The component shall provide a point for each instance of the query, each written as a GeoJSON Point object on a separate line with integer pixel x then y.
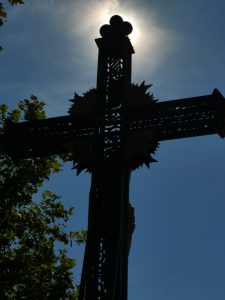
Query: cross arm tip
{"type": "Point", "coordinates": [219, 102]}
{"type": "Point", "coordinates": [216, 93]}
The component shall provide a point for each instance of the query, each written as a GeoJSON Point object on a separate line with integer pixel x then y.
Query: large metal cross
{"type": "Point", "coordinates": [110, 131]}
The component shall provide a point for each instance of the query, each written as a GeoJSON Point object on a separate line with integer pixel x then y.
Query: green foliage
{"type": "Point", "coordinates": [13, 2]}
{"type": "Point", "coordinates": [32, 108]}
{"type": "Point", "coordinates": [33, 259]}
{"type": "Point", "coordinates": [3, 13]}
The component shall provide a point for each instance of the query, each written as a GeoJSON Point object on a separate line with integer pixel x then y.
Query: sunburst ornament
{"type": "Point", "coordinates": [138, 146]}
{"type": "Point", "coordinates": [138, 95]}
{"type": "Point", "coordinates": [85, 104]}
{"type": "Point", "coordinates": [83, 151]}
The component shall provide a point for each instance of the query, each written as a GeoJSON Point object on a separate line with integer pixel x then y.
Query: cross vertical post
{"type": "Point", "coordinates": [105, 265]}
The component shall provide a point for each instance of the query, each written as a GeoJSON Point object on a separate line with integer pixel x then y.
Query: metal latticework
{"type": "Point", "coordinates": [104, 273]}
{"type": "Point", "coordinates": [113, 89]}
{"type": "Point", "coordinates": [45, 137]}
{"type": "Point", "coordinates": [180, 118]}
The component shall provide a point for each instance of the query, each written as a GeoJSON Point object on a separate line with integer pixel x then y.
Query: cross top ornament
{"type": "Point", "coordinates": [110, 131]}
{"type": "Point", "coordinates": [117, 28]}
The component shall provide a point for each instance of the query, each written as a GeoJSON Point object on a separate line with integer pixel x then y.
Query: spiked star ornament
{"type": "Point", "coordinates": [138, 146]}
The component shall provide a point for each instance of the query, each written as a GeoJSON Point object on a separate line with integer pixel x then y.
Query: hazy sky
{"type": "Point", "coordinates": [178, 249]}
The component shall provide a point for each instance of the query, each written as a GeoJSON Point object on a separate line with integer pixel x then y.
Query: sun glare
{"type": "Point", "coordinates": [146, 37]}
{"type": "Point", "coordinates": [135, 35]}
{"type": "Point", "coordinates": [106, 10]}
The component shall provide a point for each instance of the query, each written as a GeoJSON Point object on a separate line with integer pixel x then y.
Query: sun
{"type": "Point", "coordinates": [108, 10]}
{"type": "Point", "coordinates": [136, 34]}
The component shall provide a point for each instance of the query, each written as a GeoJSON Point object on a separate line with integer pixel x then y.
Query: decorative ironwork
{"type": "Point", "coordinates": [45, 137]}
{"type": "Point", "coordinates": [180, 118]}
{"type": "Point", "coordinates": [168, 120]}
{"type": "Point", "coordinates": [110, 131]}
{"type": "Point", "coordinates": [102, 274]}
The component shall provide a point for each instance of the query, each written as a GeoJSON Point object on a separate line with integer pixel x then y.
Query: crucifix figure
{"type": "Point", "coordinates": [110, 131]}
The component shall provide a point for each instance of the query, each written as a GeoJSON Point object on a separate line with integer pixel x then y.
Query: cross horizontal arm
{"type": "Point", "coordinates": [173, 119]}
{"type": "Point", "coordinates": [182, 118]}
{"type": "Point", "coordinates": [45, 137]}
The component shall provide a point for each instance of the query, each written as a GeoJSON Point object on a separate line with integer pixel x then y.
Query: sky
{"type": "Point", "coordinates": [178, 249]}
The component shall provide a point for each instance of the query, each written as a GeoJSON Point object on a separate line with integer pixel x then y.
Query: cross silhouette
{"type": "Point", "coordinates": [110, 131]}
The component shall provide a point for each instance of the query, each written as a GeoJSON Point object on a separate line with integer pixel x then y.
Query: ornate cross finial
{"type": "Point", "coordinates": [117, 28]}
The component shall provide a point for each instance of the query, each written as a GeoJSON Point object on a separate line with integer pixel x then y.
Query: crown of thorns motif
{"type": "Point", "coordinates": [138, 148]}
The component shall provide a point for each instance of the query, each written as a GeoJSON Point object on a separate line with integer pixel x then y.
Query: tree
{"type": "Point", "coordinates": [33, 259]}
{"type": "Point", "coordinates": [3, 12]}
